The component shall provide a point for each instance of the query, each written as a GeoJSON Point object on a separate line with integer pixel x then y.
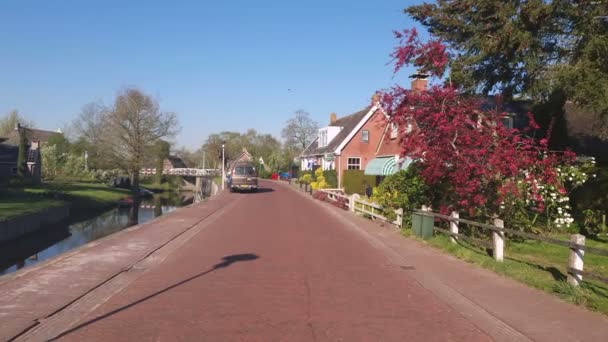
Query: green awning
{"type": "Point", "coordinates": [384, 166]}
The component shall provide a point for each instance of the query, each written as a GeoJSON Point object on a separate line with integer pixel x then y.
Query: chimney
{"type": "Point", "coordinates": [332, 118]}
{"type": "Point", "coordinates": [375, 99]}
{"type": "Point", "coordinates": [419, 81]}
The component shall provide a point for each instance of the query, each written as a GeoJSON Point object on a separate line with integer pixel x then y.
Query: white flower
{"type": "Point", "coordinates": [594, 175]}
{"type": "Point", "coordinates": [570, 178]}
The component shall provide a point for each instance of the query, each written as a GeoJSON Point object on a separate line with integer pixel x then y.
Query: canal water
{"type": "Point", "coordinates": [57, 239]}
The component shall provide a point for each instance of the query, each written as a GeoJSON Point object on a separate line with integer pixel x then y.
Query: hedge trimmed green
{"type": "Point", "coordinates": [355, 181]}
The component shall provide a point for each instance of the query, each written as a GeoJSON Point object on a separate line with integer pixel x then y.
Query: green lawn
{"type": "Point", "coordinates": [13, 205]}
{"type": "Point", "coordinates": [540, 265]}
{"type": "Point", "coordinates": [18, 201]}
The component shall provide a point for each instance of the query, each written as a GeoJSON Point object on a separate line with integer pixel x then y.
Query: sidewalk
{"type": "Point", "coordinates": [503, 308]}
{"type": "Point", "coordinates": [36, 293]}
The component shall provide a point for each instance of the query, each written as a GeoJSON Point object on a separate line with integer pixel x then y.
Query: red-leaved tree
{"type": "Point", "coordinates": [480, 165]}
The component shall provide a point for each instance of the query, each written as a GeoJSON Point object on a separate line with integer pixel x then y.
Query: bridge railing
{"type": "Point", "coordinates": [192, 172]}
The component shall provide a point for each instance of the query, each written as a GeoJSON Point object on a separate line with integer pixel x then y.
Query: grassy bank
{"type": "Point", "coordinates": [540, 265]}
{"type": "Point", "coordinates": [168, 184]}
{"type": "Point", "coordinates": [17, 201]}
{"type": "Point", "coordinates": [14, 204]}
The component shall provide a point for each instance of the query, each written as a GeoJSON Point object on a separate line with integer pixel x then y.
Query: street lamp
{"type": "Point", "coordinates": [223, 167]}
{"type": "Point", "coordinates": [86, 160]}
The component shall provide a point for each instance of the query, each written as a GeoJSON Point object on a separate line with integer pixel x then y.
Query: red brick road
{"type": "Point", "coordinates": [303, 276]}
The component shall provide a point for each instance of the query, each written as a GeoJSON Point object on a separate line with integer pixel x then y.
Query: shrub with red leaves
{"type": "Point", "coordinates": [481, 166]}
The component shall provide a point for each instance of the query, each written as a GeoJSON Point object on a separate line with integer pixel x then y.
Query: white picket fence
{"type": "Point", "coordinates": [357, 205]}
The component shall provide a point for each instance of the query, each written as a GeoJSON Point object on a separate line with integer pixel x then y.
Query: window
{"type": "Point", "coordinates": [507, 122]}
{"type": "Point", "coordinates": [365, 135]}
{"type": "Point", "coordinates": [353, 163]}
{"type": "Point", "coordinates": [244, 171]}
{"type": "Point", "coordinates": [394, 130]}
{"type": "Point", "coordinates": [322, 138]}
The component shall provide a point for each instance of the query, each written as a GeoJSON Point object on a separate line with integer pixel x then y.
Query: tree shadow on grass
{"type": "Point", "coordinates": [226, 261]}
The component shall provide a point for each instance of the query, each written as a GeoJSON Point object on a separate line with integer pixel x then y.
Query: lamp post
{"type": "Point", "coordinates": [223, 167]}
{"type": "Point", "coordinates": [86, 160]}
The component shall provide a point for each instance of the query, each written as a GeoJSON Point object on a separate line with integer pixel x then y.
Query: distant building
{"type": "Point", "coordinates": [36, 137]}
{"type": "Point", "coordinates": [9, 151]}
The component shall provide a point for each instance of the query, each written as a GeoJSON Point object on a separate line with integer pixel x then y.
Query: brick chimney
{"type": "Point", "coordinates": [332, 118]}
{"type": "Point", "coordinates": [419, 81]}
{"type": "Point", "coordinates": [375, 99]}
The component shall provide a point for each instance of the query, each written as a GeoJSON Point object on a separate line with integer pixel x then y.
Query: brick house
{"type": "Point", "coordinates": [365, 140]}
{"type": "Point", "coordinates": [9, 151]}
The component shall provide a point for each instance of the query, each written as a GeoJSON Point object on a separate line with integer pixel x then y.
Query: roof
{"type": "Point", "coordinates": [243, 157]}
{"type": "Point", "coordinates": [8, 153]}
{"type": "Point", "coordinates": [348, 124]}
{"type": "Point", "coordinates": [33, 134]}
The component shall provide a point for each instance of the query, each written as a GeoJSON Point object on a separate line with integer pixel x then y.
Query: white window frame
{"type": "Point", "coordinates": [323, 138]}
{"type": "Point", "coordinates": [353, 165]}
{"type": "Point", "coordinates": [363, 135]}
{"type": "Point", "coordinates": [394, 130]}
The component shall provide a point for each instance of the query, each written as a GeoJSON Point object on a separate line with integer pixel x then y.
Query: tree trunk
{"type": "Point", "coordinates": [135, 183]}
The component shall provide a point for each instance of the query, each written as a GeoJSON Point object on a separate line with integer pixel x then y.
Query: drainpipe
{"type": "Point", "coordinates": [339, 170]}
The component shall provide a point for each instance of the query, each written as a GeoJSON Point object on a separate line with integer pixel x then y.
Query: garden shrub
{"type": "Point", "coordinates": [355, 180]}
{"type": "Point", "coordinates": [331, 178]}
{"type": "Point", "coordinates": [403, 190]}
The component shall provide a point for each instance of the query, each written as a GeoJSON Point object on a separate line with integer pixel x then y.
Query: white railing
{"type": "Point", "coordinates": [358, 205]}
{"type": "Point", "coordinates": [183, 172]}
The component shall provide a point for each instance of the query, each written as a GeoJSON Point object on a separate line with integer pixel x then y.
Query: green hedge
{"type": "Point", "coordinates": [331, 178]}
{"type": "Point", "coordinates": [355, 180]}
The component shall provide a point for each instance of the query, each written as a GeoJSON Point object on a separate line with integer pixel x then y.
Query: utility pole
{"type": "Point", "coordinates": [203, 159]}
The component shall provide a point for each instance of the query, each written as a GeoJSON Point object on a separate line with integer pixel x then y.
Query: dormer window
{"type": "Point", "coordinates": [323, 138]}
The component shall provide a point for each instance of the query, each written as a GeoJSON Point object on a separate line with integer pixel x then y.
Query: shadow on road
{"type": "Point", "coordinates": [226, 261]}
{"type": "Point", "coordinates": [260, 191]}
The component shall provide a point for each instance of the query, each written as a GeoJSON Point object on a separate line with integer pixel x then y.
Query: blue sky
{"type": "Point", "coordinates": [220, 65]}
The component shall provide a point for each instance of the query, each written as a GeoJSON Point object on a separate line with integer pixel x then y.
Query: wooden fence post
{"type": "Point", "coordinates": [499, 240]}
{"type": "Point", "coordinates": [399, 213]}
{"type": "Point", "coordinates": [351, 201]}
{"type": "Point", "coordinates": [454, 226]}
{"type": "Point", "coordinates": [576, 259]}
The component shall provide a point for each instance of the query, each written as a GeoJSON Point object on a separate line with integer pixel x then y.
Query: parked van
{"type": "Point", "coordinates": [243, 176]}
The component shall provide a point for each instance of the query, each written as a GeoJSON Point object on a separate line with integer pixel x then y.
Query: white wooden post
{"type": "Point", "coordinates": [576, 259]}
{"type": "Point", "coordinates": [399, 213]}
{"type": "Point", "coordinates": [454, 226]}
{"type": "Point", "coordinates": [499, 240]}
{"type": "Point", "coordinates": [351, 201]}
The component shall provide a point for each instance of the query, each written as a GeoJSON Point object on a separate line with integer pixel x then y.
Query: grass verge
{"type": "Point", "coordinates": [538, 264]}
{"type": "Point", "coordinates": [19, 201]}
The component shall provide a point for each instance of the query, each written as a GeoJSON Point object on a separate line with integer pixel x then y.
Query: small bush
{"type": "Point", "coordinates": [403, 190]}
{"type": "Point", "coordinates": [331, 178]}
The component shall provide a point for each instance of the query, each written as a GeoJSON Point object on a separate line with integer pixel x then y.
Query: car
{"type": "Point", "coordinates": [243, 176]}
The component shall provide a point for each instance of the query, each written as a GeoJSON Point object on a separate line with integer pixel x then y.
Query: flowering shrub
{"type": "Point", "coordinates": [481, 166]}
{"type": "Point", "coordinates": [319, 182]}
